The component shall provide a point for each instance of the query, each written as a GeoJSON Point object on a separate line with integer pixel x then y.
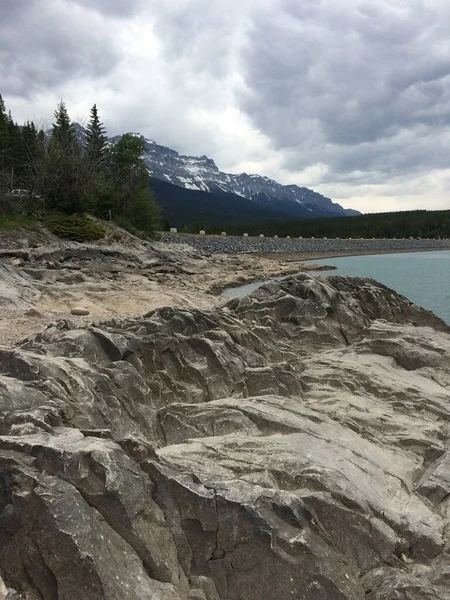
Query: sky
{"type": "Point", "coordinates": [348, 97]}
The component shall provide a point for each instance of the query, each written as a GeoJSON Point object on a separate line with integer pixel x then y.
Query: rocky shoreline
{"type": "Point", "coordinates": [43, 280]}
{"type": "Point", "coordinates": [317, 248]}
{"type": "Point", "coordinates": [292, 443]}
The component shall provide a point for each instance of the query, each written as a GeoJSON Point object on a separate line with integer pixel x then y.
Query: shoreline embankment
{"type": "Point", "coordinates": [303, 248]}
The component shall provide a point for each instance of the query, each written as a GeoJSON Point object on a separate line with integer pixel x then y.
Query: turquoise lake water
{"type": "Point", "coordinates": [423, 277]}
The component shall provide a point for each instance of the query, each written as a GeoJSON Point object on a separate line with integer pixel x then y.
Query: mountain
{"type": "Point", "coordinates": [201, 174]}
{"type": "Point", "coordinates": [181, 206]}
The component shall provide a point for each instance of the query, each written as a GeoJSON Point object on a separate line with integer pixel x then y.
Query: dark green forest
{"type": "Point", "coordinates": [417, 224]}
{"type": "Point", "coordinates": [57, 174]}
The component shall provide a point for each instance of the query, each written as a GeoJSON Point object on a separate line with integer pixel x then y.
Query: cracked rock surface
{"type": "Point", "coordinates": [292, 444]}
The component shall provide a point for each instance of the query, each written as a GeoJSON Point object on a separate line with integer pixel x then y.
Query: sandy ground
{"type": "Point", "coordinates": [197, 284]}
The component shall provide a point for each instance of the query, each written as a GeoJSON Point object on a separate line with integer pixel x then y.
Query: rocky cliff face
{"type": "Point", "coordinates": [294, 444]}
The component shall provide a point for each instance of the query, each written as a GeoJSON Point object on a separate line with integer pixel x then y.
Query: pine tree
{"type": "Point", "coordinates": [28, 156]}
{"type": "Point", "coordinates": [12, 153]}
{"type": "Point", "coordinates": [3, 115]}
{"type": "Point", "coordinates": [96, 139]}
{"type": "Point", "coordinates": [64, 180]}
{"type": "Point", "coordinates": [3, 140]}
{"type": "Point", "coordinates": [63, 134]}
{"type": "Point", "coordinates": [135, 203]}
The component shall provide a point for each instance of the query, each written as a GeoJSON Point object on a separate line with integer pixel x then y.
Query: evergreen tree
{"type": "Point", "coordinates": [96, 139]}
{"type": "Point", "coordinates": [2, 110]}
{"type": "Point", "coordinates": [12, 154]}
{"type": "Point", "coordinates": [3, 143]}
{"type": "Point", "coordinates": [64, 180]}
{"type": "Point", "coordinates": [56, 172]}
{"type": "Point", "coordinates": [27, 157]}
{"type": "Point", "coordinates": [3, 122]}
{"type": "Point", "coordinates": [29, 141]}
{"type": "Point", "coordinates": [135, 204]}
{"type": "Point", "coordinates": [63, 134]}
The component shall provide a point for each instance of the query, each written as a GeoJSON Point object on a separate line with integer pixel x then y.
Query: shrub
{"type": "Point", "coordinates": [17, 222]}
{"type": "Point", "coordinates": [77, 227]}
{"type": "Point", "coordinates": [142, 213]}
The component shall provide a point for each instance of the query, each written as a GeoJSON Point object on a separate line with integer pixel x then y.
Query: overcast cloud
{"type": "Point", "coordinates": [349, 97]}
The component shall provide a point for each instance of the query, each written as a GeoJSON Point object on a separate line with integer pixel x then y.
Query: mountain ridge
{"type": "Point", "coordinates": [200, 173]}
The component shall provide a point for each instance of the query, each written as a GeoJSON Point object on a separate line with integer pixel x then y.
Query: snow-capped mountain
{"type": "Point", "coordinates": [201, 173]}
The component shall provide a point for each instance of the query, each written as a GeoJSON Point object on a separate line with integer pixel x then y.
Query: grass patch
{"type": "Point", "coordinates": [17, 222]}
{"type": "Point", "coordinates": [77, 227]}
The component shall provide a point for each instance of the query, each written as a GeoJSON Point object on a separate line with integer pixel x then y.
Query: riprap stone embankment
{"type": "Point", "coordinates": [214, 244]}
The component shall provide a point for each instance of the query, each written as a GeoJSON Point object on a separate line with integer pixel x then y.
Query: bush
{"type": "Point", "coordinates": [141, 216]}
{"type": "Point", "coordinates": [77, 227]}
{"type": "Point", "coordinates": [17, 222]}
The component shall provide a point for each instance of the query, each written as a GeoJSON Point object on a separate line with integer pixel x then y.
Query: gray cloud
{"type": "Point", "coordinates": [43, 44]}
{"type": "Point", "coordinates": [115, 8]}
{"type": "Point", "coordinates": [354, 76]}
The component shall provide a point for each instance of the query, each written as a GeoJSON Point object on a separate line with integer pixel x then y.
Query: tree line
{"type": "Point", "coordinates": [70, 171]}
{"type": "Point", "coordinates": [404, 224]}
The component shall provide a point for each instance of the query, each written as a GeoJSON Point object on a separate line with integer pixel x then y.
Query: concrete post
{"type": "Point", "coordinates": [223, 233]}
{"type": "Point", "coordinates": [245, 234]}
{"type": "Point", "coordinates": [261, 235]}
{"type": "Point", "coordinates": [173, 230]}
{"type": "Point", "coordinates": [275, 236]}
{"type": "Point", "coordinates": [202, 232]}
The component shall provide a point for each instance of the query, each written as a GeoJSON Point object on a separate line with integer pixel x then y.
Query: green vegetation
{"type": "Point", "coordinates": [58, 173]}
{"type": "Point", "coordinates": [76, 227]}
{"type": "Point", "coordinates": [96, 138]}
{"type": "Point", "coordinates": [15, 222]}
{"type": "Point", "coordinates": [417, 224]}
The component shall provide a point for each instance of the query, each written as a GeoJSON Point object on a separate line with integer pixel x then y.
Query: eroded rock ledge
{"type": "Point", "coordinates": [293, 445]}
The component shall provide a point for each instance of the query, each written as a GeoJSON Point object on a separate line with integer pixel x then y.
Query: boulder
{"type": "Point", "coordinates": [79, 311]}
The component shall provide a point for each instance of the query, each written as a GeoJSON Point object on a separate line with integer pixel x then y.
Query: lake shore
{"type": "Point", "coordinates": [305, 262]}
{"type": "Point", "coordinates": [42, 284]}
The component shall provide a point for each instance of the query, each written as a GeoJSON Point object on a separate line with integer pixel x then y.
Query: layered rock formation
{"type": "Point", "coordinates": [294, 444]}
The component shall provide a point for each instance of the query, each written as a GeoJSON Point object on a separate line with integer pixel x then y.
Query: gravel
{"type": "Point", "coordinates": [212, 244]}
